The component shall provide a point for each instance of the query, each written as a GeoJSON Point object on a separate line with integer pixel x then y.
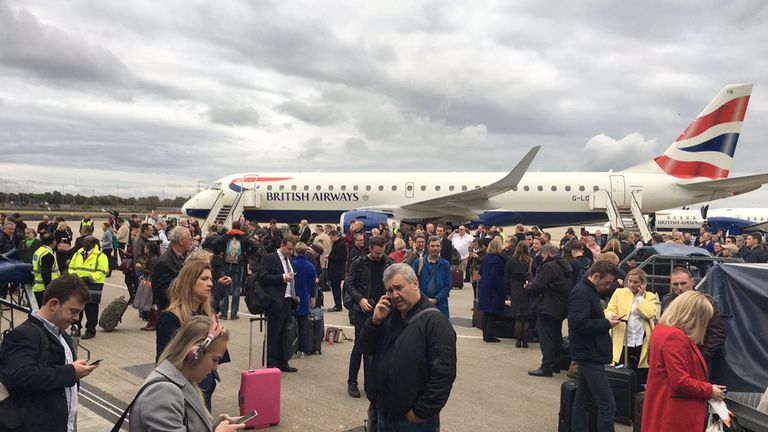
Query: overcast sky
{"type": "Point", "coordinates": [148, 97]}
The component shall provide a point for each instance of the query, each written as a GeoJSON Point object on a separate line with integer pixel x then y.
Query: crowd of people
{"type": "Point", "coordinates": [195, 283]}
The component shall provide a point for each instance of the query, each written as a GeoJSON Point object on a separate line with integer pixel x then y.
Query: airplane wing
{"type": "Point", "coordinates": [735, 185]}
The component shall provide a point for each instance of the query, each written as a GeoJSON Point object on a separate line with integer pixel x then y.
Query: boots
{"type": "Point", "coordinates": [152, 322]}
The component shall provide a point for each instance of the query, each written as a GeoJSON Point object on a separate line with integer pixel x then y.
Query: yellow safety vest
{"type": "Point", "coordinates": [96, 265]}
{"type": "Point", "coordinates": [42, 251]}
{"type": "Point", "coordinates": [86, 222]}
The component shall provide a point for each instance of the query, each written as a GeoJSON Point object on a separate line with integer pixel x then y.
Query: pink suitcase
{"type": "Point", "coordinates": [260, 388]}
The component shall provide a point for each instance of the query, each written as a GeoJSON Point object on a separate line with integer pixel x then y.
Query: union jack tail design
{"type": "Point", "coordinates": [706, 147]}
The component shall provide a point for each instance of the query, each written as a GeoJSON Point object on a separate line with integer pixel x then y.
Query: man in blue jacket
{"type": "Point", "coordinates": [591, 346]}
{"type": "Point", "coordinates": [434, 275]}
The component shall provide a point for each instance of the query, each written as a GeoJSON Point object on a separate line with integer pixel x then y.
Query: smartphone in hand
{"type": "Point", "coordinates": [246, 418]}
{"type": "Point", "coordinates": [95, 362]}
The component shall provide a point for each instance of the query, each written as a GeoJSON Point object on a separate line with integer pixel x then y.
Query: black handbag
{"type": "Point", "coordinates": [257, 300]}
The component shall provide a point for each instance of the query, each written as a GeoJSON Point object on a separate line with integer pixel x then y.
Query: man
{"type": "Point", "coordinates": [233, 248]}
{"type": "Point", "coordinates": [304, 232]}
{"type": "Point", "coordinates": [168, 266]}
{"type": "Point", "coordinates": [337, 260]}
{"type": "Point", "coordinates": [742, 245]}
{"type": "Point", "coordinates": [414, 351]}
{"type": "Point", "coordinates": [90, 263]}
{"type": "Point", "coordinates": [357, 249]}
{"type": "Point", "coordinates": [42, 227]}
{"type": "Point", "coordinates": [756, 253]}
{"type": "Point", "coordinates": [591, 347]}
{"type": "Point", "coordinates": [8, 237]}
{"type": "Point", "coordinates": [363, 285]}
{"type": "Point", "coordinates": [520, 232]}
{"type": "Point", "coordinates": [446, 247]}
{"type": "Point", "coordinates": [536, 256]}
{"type": "Point", "coordinates": [730, 250]}
{"type": "Point", "coordinates": [163, 236]}
{"type": "Point", "coordinates": [276, 276]}
{"type": "Point", "coordinates": [681, 281]}
{"type": "Point", "coordinates": [582, 262]}
{"type": "Point", "coordinates": [706, 242]}
{"type": "Point", "coordinates": [552, 285]}
{"type": "Point", "coordinates": [599, 239]}
{"type": "Point", "coordinates": [38, 365]}
{"type": "Point", "coordinates": [434, 275]}
{"type": "Point", "coordinates": [44, 266]}
{"type": "Point", "coordinates": [461, 242]}
{"type": "Point", "coordinates": [86, 222]}
{"type": "Point", "coordinates": [430, 230]}
{"type": "Point", "coordinates": [417, 253]}
{"type": "Point", "coordinates": [480, 233]}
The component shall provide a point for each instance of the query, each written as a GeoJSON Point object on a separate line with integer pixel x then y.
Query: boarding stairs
{"type": "Point", "coordinates": [224, 213]}
{"type": "Point", "coordinates": [628, 217]}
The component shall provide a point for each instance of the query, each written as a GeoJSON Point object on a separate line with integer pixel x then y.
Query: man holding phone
{"type": "Point", "coordinates": [38, 364]}
{"type": "Point", "coordinates": [415, 356]}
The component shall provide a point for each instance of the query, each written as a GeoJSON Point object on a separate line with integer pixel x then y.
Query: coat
{"type": "Point", "coordinates": [435, 282]}
{"type": "Point", "coordinates": [677, 390]}
{"type": "Point", "coordinates": [25, 253]}
{"type": "Point", "coordinates": [271, 273]}
{"type": "Point", "coordinates": [306, 287]}
{"type": "Point", "coordinates": [490, 290]}
{"type": "Point", "coordinates": [165, 405]}
{"type": "Point", "coordinates": [552, 283]}
{"type": "Point", "coordinates": [40, 387]}
{"type": "Point", "coordinates": [337, 260]}
{"type": "Point", "coordinates": [621, 304]}
{"type": "Point", "coordinates": [517, 273]}
{"type": "Point", "coordinates": [96, 266]}
{"type": "Point", "coordinates": [588, 330]}
{"type": "Point", "coordinates": [167, 268]}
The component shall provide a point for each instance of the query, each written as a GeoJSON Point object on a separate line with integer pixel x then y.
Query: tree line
{"type": "Point", "coordinates": [56, 199]}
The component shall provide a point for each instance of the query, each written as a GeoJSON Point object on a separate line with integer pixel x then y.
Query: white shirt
{"type": "Point", "coordinates": [69, 392]}
{"type": "Point", "coordinates": [462, 243]}
{"type": "Point", "coordinates": [287, 269]}
{"type": "Point", "coordinates": [164, 242]}
{"type": "Point", "coordinates": [635, 329]}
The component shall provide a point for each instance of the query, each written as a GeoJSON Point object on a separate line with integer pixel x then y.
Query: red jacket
{"type": "Point", "coordinates": [677, 390]}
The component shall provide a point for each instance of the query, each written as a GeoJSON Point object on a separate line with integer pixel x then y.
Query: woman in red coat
{"type": "Point", "coordinates": [677, 390]}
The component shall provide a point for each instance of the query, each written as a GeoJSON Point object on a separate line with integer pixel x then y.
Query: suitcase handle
{"type": "Point", "coordinates": [262, 323]}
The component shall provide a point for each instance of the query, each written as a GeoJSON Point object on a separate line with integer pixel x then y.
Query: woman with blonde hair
{"type": "Point", "coordinates": [677, 391]}
{"type": "Point", "coordinates": [399, 254]}
{"type": "Point", "coordinates": [170, 398]}
{"type": "Point", "coordinates": [637, 309]}
{"type": "Point", "coordinates": [614, 246]}
{"type": "Point", "coordinates": [491, 288]}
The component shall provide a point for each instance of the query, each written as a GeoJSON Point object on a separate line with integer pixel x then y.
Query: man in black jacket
{"type": "Point", "coordinates": [591, 346]}
{"type": "Point", "coordinates": [755, 253]}
{"type": "Point", "coordinates": [446, 246]}
{"type": "Point", "coordinates": [276, 277]}
{"type": "Point", "coordinates": [362, 287]}
{"type": "Point", "coordinates": [337, 261]}
{"type": "Point", "coordinates": [414, 353]}
{"type": "Point", "coordinates": [37, 361]}
{"type": "Point", "coordinates": [169, 265]}
{"type": "Point", "coordinates": [552, 284]}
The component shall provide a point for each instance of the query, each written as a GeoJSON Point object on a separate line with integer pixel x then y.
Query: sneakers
{"type": "Point", "coordinates": [353, 391]}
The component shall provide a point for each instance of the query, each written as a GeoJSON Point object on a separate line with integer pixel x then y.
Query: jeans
{"type": "Point", "coordinates": [550, 341]}
{"type": "Point", "coordinates": [235, 271]}
{"type": "Point", "coordinates": [592, 384]}
{"type": "Point", "coordinates": [398, 423]}
{"type": "Point", "coordinates": [356, 357]}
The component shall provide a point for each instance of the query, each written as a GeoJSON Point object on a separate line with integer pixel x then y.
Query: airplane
{"type": "Point", "coordinates": [731, 220]}
{"type": "Point", "coordinates": [693, 169]}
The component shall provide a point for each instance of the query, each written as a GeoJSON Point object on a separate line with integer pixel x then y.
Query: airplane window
{"type": "Point", "coordinates": [526, 188]}
{"type": "Point", "coordinates": [330, 188]}
{"type": "Point", "coordinates": [269, 187]}
{"type": "Point", "coordinates": [595, 188]}
{"type": "Point", "coordinates": [293, 187]}
{"type": "Point", "coordinates": [368, 187]}
{"type": "Point", "coordinates": [394, 188]}
{"type": "Point", "coordinates": [354, 187]}
{"type": "Point", "coordinates": [581, 188]}
{"type": "Point", "coordinates": [317, 187]}
{"type": "Point", "coordinates": [215, 186]}
{"type": "Point", "coordinates": [463, 188]}
{"type": "Point", "coordinates": [282, 187]}
{"type": "Point", "coordinates": [306, 187]}
{"type": "Point", "coordinates": [381, 188]}
{"type": "Point", "coordinates": [567, 188]}
{"type": "Point", "coordinates": [451, 188]}
{"type": "Point", "coordinates": [409, 188]}
{"type": "Point", "coordinates": [343, 187]}
{"type": "Point", "coordinates": [477, 187]}
{"type": "Point", "coordinates": [514, 188]}
{"type": "Point", "coordinates": [437, 188]}
{"type": "Point", "coordinates": [554, 188]}
{"type": "Point", "coordinates": [540, 188]}
{"type": "Point", "coordinates": [423, 188]}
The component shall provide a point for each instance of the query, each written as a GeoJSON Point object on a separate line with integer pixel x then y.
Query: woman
{"type": "Point", "coordinates": [491, 288]}
{"type": "Point", "coordinates": [593, 247]}
{"type": "Point", "coordinates": [336, 261]}
{"type": "Point", "coordinates": [614, 246]}
{"type": "Point", "coordinates": [637, 308]}
{"type": "Point", "coordinates": [189, 295]}
{"type": "Point", "coordinates": [143, 269]}
{"type": "Point", "coordinates": [170, 398]}
{"type": "Point", "coordinates": [63, 236]}
{"type": "Point", "coordinates": [677, 391]}
{"type": "Point", "coordinates": [29, 245]}
{"type": "Point", "coordinates": [476, 253]}
{"type": "Point", "coordinates": [718, 248]}
{"type": "Point", "coordinates": [306, 290]}
{"type": "Point", "coordinates": [518, 272]}
{"type": "Point", "coordinates": [400, 252]}
{"type": "Point", "coordinates": [108, 241]}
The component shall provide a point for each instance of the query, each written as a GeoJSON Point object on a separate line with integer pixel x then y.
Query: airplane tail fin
{"type": "Point", "coordinates": [706, 147]}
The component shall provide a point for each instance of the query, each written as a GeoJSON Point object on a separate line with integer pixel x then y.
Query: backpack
{"type": "Point", "coordinates": [232, 255]}
{"type": "Point", "coordinates": [113, 314]}
{"type": "Point", "coordinates": [257, 300]}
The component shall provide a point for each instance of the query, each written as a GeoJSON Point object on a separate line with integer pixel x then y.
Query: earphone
{"type": "Point", "coordinates": [198, 350]}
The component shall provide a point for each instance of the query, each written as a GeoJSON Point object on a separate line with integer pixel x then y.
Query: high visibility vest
{"type": "Point", "coordinates": [96, 265]}
{"type": "Point", "coordinates": [86, 222]}
{"type": "Point", "coordinates": [42, 251]}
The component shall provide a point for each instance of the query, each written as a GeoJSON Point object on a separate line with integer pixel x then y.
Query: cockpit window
{"type": "Point", "coordinates": [215, 186]}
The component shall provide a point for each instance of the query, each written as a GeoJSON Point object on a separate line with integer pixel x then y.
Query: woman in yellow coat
{"type": "Point", "coordinates": [637, 309]}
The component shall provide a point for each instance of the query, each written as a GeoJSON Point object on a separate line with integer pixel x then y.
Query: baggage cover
{"type": "Point", "coordinates": [113, 314]}
{"type": "Point", "coordinates": [457, 279]}
{"type": "Point", "coordinates": [260, 388]}
{"type": "Point", "coordinates": [567, 397]}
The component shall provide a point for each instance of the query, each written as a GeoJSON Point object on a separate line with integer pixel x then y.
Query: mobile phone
{"type": "Point", "coordinates": [622, 317]}
{"type": "Point", "coordinates": [95, 362]}
{"type": "Point", "coordinates": [246, 418]}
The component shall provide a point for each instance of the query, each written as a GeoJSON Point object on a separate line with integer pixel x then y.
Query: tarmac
{"type": "Point", "coordinates": [492, 391]}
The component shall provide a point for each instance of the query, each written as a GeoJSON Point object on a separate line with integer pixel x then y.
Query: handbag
{"type": "Point", "coordinates": [715, 423]}
{"type": "Point", "coordinates": [143, 298]}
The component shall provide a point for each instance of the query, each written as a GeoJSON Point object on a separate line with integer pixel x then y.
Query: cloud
{"type": "Point", "coordinates": [602, 153]}
{"type": "Point", "coordinates": [317, 114]}
{"type": "Point", "coordinates": [354, 144]}
{"type": "Point", "coordinates": [234, 116]}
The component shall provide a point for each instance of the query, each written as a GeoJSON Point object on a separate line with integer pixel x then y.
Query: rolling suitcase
{"type": "Point", "coordinates": [478, 316]}
{"type": "Point", "coordinates": [567, 397]}
{"type": "Point", "coordinates": [316, 330]}
{"type": "Point", "coordinates": [623, 383]}
{"type": "Point", "coordinates": [113, 314]}
{"type": "Point", "coordinates": [457, 279]}
{"type": "Point", "coordinates": [260, 388]}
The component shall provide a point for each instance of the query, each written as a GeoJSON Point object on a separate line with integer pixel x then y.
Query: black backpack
{"type": "Point", "coordinates": [257, 300]}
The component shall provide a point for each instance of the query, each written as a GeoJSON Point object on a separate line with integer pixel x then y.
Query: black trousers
{"type": "Point", "coordinates": [550, 341]}
{"type": "Point", "coordinates": [356, 356]}
{"type": "Point", "coordinates": [336, 290]}
{"type": "Point", "coordinates": [302, 328]}
{"type": "Point", "coordinates": [278, 315]}
{"type": "Point", "coordinates": [634, 360]}
{"type": "Point", "coordinates": [92, 317]}
{"type": "Point", "coordinates": [39, 295]}
{"type": "Point", "coordinates": [489, 326]}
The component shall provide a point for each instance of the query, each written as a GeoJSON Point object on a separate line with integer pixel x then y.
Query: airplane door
{"type": "Point", "coordinates": [618, 190]}
{"type": "Point", "coordinates": [409, 187]}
